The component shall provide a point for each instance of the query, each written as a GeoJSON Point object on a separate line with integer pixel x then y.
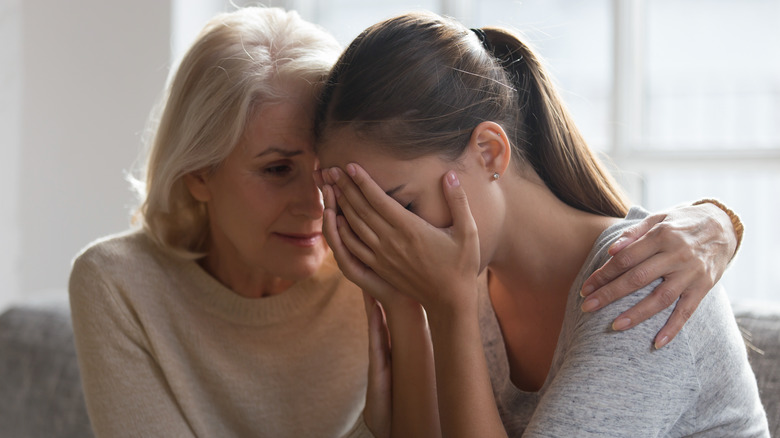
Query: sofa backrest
{"type": "Point", "coordinates": [41, 393]}
{"type": "Point", "coordinates": [40, 384]}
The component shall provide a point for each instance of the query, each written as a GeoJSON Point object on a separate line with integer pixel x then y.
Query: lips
{"type": "Point", "coordinates": [303, 240]}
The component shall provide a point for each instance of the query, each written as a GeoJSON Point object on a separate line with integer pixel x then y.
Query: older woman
{"type": "Point", "coordinates": [172, 335]}
{"type": "Point", "coordinates": [224, 313]}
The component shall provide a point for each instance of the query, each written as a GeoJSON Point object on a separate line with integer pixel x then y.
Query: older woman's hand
{"type": "Point", "coordinates": [689, 247]}
{"type": "Point", "coordinates": [378, 410]}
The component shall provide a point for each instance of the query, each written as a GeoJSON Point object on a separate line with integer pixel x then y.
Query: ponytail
{"type": "Point", "coordinates": [553, 145]}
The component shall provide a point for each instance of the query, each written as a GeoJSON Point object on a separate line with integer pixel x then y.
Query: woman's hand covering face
{"type": "Point", "coordinates": [381, 245]}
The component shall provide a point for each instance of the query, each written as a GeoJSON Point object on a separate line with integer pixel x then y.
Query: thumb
{"type": "Point", "coordinates": [634, 232]}
{"type": "Point", "coordinates": [462, 220]}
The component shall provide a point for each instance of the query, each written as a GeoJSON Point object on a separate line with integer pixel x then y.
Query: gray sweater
{"type": "Point", "coordinates": [604, 383]}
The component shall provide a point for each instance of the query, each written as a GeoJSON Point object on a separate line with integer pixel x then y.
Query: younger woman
{"type": "Point", "coordinates": [464, 129]}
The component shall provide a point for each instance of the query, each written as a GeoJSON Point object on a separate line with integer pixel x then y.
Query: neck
{"type": "Point", "coordinates": [249, 283]}
{"type": "Point", "coordinates": [543, 247]}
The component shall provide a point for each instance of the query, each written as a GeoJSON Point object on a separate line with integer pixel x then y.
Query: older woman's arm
{"type": "Point", "coordinates": [690, 247]}
{"type": "Point", "coordinates": [125, 390]}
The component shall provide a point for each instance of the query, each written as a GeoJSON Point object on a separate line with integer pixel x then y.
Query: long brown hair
{"type": "Point", "coordinates": [418, 84]}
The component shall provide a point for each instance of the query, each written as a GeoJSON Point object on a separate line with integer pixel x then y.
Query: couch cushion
{"type": "Point", "coordinates": [40, 385]}
{"type": "Point", "coordinates": [762, 334]}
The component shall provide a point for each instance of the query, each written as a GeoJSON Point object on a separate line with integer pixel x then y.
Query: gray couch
{"type": "Point", "coordinates": [41, 396]}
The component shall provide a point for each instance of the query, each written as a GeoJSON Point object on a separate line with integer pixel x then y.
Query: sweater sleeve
{"type": "Point", "coordinates": [615, 384]}
{"type": "Point", "coordinates": [125, 390]}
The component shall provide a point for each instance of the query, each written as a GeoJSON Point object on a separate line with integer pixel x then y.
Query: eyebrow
{"type": "Point", "coordinates": [392, 191]}
{"type": "Point", "coordinates": [276, 150]}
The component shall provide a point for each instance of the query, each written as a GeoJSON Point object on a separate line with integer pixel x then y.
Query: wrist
{"type": "Point", "coordinates": [403, 312]}
{"type": "Point", "coordinates": [462, 307]}
{"type": "Point", "coordinates": [733, 219]}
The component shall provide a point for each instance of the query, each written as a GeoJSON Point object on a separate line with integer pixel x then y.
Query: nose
{"type": "Point", "coordinates": [307, 199]}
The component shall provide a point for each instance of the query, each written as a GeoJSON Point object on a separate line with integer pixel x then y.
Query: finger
{"type": "Point", "coordinates": [634, 232]}
{"type": "Point", "coordinates": [383, 204]}
{"type": "Point", "coordinates": [317, 174]}
{"type": "Point", "coordinates": [329, 198]}
{"type": "Point", "coordinates": [357, 223]}
{"type": "Point", "coordinates": [354, 269]}
{"type": "Point", "coordinates": [686, 305]}
{"type": "Point", "coordinates": [354, 244]}
{"type": "Point", "coordinates": [634, 279]}
{"type": "Point", "coordinates": [378, 391]}
{"type": "Point", "coordinates": [663, 296]}
{"type": "Point", "coordinates": [379, 338]}
{"type": "Point", "coordinates": [369, 302]}
{"type": "Point", "coordinates": [631, 256]}
{"type": "Point", "coordinates": [331, 233]}
{"type": "Point", "coordinates": [462, 220]}
{"type": "Point", "coordinates": [348, 263]}
{"type": "Point", "coordinates": [361, 207]}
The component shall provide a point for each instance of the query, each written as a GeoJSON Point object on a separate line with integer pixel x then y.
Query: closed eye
{"type": "Point", "coordinates": [278, 170]}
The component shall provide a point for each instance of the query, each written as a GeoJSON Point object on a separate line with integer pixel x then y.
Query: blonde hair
{"type": "Point", "coordinates": [240, 61]}
{"type": "Point", "coordinates": [419, 84]}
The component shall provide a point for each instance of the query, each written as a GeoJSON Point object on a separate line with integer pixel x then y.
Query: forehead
{"type": "Point", "coordinates": [343, 146]}
{"type": "Point", "coordinates": [287, 124]}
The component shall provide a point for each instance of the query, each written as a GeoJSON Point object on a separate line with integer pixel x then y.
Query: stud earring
{"type": "Point", "coordinates": [496, 175]}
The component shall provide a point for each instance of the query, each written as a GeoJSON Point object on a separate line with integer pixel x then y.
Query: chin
{"type": "Point", "coordinates": [303, 267]}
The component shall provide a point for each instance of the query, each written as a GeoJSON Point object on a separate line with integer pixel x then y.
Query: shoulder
{"type": "Point", "coordinates": [116, 251]}
{"type": "Point", "coordinates": [599, 253]}
{"type": "Point", "coordinates": [116, 262]}
{"type": "Point", "coordinates": [589, 337]}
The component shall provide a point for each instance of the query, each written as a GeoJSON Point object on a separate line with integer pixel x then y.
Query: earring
{"type": "Point", "coordinates": [496, 175]}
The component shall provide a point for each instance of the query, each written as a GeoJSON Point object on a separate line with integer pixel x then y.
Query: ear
{"type": "Point", "coordinates": [490, 142]}
{"type": "Point", "coordinates": [196, 184]}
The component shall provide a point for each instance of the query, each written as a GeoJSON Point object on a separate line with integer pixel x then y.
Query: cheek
{"type": "Point", "coordinates": [436, 211]}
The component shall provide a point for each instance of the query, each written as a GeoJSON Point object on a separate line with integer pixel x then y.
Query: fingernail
{"type": "Point", "coordinates": [616, 244]}
{"type": "Point", "coordinates": [452, 179]}
{"type": "Point", "coordinates": [334, 173]}
{"type": "Point", "coordinates": [587, 290]}
{"type": "Point", "coordinates": [621, 324]}
{"type": "Point", "coordinates": [590, 305]}
{"type": "Point", "coordinates": [660, 343]}
{"type": "Point", "coordinates": [351, 169]}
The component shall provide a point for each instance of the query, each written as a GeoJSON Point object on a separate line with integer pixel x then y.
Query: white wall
{"type": "Point", "coordinates": [10, 134]}
{"type": "Point", "coordinates": [75, 96]}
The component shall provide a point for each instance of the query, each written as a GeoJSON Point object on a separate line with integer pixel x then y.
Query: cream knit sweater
{"type": "Point", "coordinates": [166, 350]}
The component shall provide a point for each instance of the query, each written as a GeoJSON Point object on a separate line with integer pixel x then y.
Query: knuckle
{"type": "Point", "coordinates": [630, 232]}
{"type": "Point", "coordinates": [638, 278]}
{"type": "Point", "coordinates": [606, 295]}
{"type": "Point", "coordinates": [638, 314]}
{"type": "Point", "coordinates": [685, 313]}
{"type": "Point", "coordinates": [362, 212]}
{"type": "Point", "coordinates": [623, 260]}
{"type": "Point", "coordinates": [471, 230]}
{"type": "Point", "coordinates": [599, 277]}
{"type": "Point", "coordinates": [659, 231]}
{"type": "Point", "coordinates": [666, 296]}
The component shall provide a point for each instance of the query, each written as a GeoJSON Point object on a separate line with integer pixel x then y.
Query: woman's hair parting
{"type": "Point", "coordinates": [419, 84]}
{"type": "Point", "coordinates": [239, 62]}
